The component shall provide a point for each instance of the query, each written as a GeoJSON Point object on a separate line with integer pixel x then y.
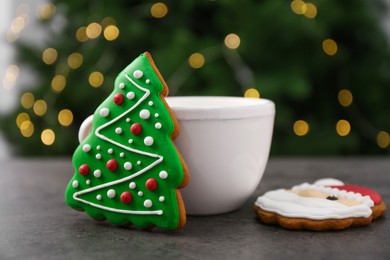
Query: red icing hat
{"type": "Point", "coordinates": [375, 197]}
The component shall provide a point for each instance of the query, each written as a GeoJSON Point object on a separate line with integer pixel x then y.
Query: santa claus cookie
{"type": "Point", "coordinates": [328, 204]}
{"type": "Point", "coordinates": [127, 168]}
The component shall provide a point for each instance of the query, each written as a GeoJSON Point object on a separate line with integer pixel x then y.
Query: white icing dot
{"type": "Point", "coordinates": [118, 130]}
{"type": "Point", "coordinates": [148, 203]}
{"type": "Point", "coordinates": [138, 74]}
{"type": "Point", "coordinates": [99, 197]}
{"type": "Point", "coordinates": [98, 147]}
{"type": "Point", "coordinates": [156, 115]}
{"type": "Point", "coordinates": [127, 120]}
{"type": "Point", "coordinates": [130, 95]}
{"type": "Point", "coordinates": [86, 148]}
{"type": "Point", "coordinates": [150, 103]}
{"type": "Point", "coordinates": [161, 199]}
{"type": "Point", "coordinates": [104, 112]}
{"type": "Point", "coordinates": [163, 175]}
{"type": "Point", "coordinates": [98, 156]}
{"type": "Point", "coordinates": [144, 114]}
{"type": "Point", "coordinates": [147, 81]}
{"type": "Point", "coordinates": [158, 125]}
{"type": "Point", "coordinates": [97, 173]}
{"type": "Point", "coordinates": [110, 151]}
{"type": "Point", "coordinates": [87, 182]}
{"type": "Point", "coordinates": [128, 165]}
{"type": "Point", "coordinates": [122, 154]}
{"type": "Point", "coordinates": [139, 162]}
{"type": "Point", "coordinates": [75, 184]}
{"type": "Point", "coordinates": [122, 85]}
{"type": "Point", "coordinates": [130, 141]}
{"type": "Point", "coordinates": [140, 193]}
{"type": "Point", "coordinates": [148, 140]}
{"type": "Point", "coordinates": [111, 193]}
{"type": "Point", "coordinates": [132, 185]}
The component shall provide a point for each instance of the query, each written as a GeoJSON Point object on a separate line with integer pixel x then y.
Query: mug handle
{"type": "Point", "coordinates": [85, 128]}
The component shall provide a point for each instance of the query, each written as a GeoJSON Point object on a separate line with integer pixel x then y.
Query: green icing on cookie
{"type": "Point", "coordinates": [127, 169]}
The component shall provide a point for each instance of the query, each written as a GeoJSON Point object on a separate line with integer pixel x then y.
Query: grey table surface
{"type": "Point", "coordinates": [35, 223]}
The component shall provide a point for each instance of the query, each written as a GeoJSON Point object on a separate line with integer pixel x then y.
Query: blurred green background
{"type": "Point", "coordinates": [325, 64]}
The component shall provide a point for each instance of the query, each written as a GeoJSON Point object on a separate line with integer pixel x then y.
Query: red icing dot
{"type": "Point", "coordinates": [151, 184]}
{"type": "Point", "coordinates": [119, 98]}
{"type": "Point", "coordinates": [112, 165]}
{"type": "Point", "coordinates": [136, 128]}
{"type": "Point", "coordinates": [126, 197]}
{"type": "Point", "coordinates": [84, 169]}
{"type": "Point", "coordinates": [376, 198]}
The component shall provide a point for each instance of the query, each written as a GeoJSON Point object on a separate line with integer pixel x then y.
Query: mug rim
{"type": "Point", "coordinates": [219, 107]}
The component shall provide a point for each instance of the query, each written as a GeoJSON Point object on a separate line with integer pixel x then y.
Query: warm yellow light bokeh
{"type": "Point", "coordinates": [75, 60]}
{"type": "Point", "coordinates": [27, 128]}
{"type": "Point", "coordinates": [345, 97]}
{"type": "Point", "coordinates": [46, 11]}
{"type": "Point", "coordinates": [311, 11]}
{"type": "Point", "coordinates": [343, 127]}
{"type": "Point", "coordinates": [27, 100]}
{"type": "Point", "coordinates": [40, 107]}
{"type": "Point", "coordinates": [108, 21]}
{"type": "Point", "coordinates": [252, 93]}
{"type": "Point", "coordinates": [65, 117]}
{"type": "Point", "coordinates": [17, 24]}
{"type": "Point", "coordinates": [383, 139]}
{"type": "Point", "coordinates": [329, 46]}
{"type": "Point", "coordinates": [159, 10]}
{"type": "Point", "coordinates": [111, 33]}
{"type": "Point", "coordinates": [93, 30]}
{"type": "Point", "coordinates": [96, 79]}
{"type": "Point", "coordinates": [58, 83]}
{"type": "Point", "coordinates": [232, 41]}
{"type": "Point", "coordinates": [21, 118]}
{"type": "Point", "coordinates": [12, 72]}
{"type": "Point", "coordinates": [196, 60]}
{"type": "Point", "coordinates": [298, 7]}
{"type": "Point", "coordinates": [81, 34]}
{"type": "Point", "coordinates": [48, 137]}
{"type": "Point", "coordinates": [301, 128]}
{"type": "Point", "coordinates": [10, 76]}
{"type": "Point", "coordinates": [49, 56]}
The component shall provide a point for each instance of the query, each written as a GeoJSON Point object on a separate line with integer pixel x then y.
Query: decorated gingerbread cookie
{"type": "Point", "coordinates": [127, 168]}
{"type": "Point", "coordinates": [328, 204]}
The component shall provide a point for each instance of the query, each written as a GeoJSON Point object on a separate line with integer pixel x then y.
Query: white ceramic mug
{"type": "Point", "coordinates": [225, 142]}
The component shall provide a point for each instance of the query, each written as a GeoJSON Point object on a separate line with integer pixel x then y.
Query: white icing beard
{"type": "Point", "coordinates": [289, 204]}
{"type": "Point", "coordinates": [336, 192]}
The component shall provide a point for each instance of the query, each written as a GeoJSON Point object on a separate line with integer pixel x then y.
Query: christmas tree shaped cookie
{"type": "Point", "coordinates": [127, 169]}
